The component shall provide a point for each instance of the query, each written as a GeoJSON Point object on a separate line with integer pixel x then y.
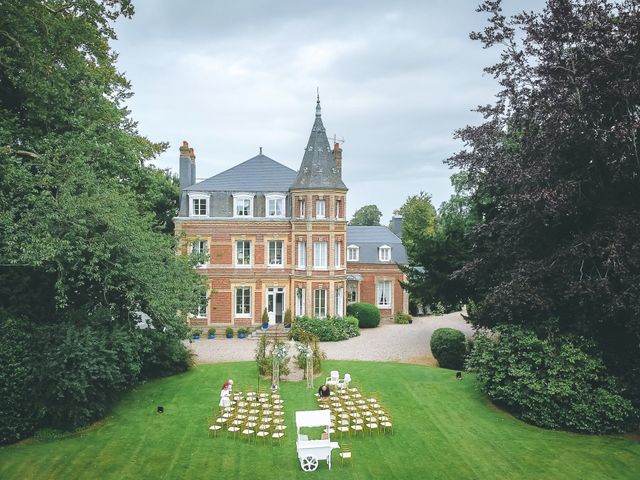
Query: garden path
{"type": "Point", "coordinates": [388, 342]}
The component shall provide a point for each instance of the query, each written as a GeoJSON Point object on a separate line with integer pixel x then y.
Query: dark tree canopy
{"type": "Point", "coordinates": [367, 215]}
{"type": "Point", "coordinates": [557, 159]}
{"type": "Point", "coordinates": [84, 222]}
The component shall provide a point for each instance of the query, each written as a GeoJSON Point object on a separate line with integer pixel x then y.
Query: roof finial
{"type": "Point", "coordinates": [318, 102]}
{"type": "Point", "coordinates": [260, 150]}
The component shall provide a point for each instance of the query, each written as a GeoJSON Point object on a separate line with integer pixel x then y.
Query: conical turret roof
{"type": "Point", "coordinates": [318, 168]}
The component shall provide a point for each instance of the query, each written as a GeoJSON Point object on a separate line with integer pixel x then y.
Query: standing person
{"type": "Point", "coordinates": [225, 400]}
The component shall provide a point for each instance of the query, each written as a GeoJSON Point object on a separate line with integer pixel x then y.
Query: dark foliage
{"type": "Point", "coordinates": [84, 223]}
{"type": "Point", "coordinates": [557, 164]}
{"type": "Point", "coordinates": [19, 415]}
{"type": "Point", "coordinates": [449, 348]}
{"type": "Point", "coordinates": [558, 383]}
{"type": "Point", "coordinates": [368, 315]}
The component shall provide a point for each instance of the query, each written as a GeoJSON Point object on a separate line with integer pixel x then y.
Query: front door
{"type": "Point", "coordinates": [275, 304]}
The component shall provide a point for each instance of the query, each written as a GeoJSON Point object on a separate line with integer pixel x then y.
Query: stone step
{"type": "Point", "coordinates": [272, 332]}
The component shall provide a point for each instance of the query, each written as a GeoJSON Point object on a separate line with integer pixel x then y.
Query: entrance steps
{"type": "Point", "coordinates": [273, 332]}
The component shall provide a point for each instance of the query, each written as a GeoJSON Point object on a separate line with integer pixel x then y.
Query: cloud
{"type": "Point", "coordinates": [396, 80]}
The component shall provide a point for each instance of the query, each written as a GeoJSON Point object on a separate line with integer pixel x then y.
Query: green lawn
{"type": "Point", "coordinates": [444, 429]}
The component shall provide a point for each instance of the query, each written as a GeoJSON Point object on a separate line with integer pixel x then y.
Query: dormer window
{"type": "Point", "coordinates": [353, 253]}
{"type": "Point", "coordinates": [243, 205]}
{"type": "Point", "coordinates": [320, 208]}
{"type": "Point", "coordinates": [199, 205]}
{"type": "Point", "coordinates": [384, 253]}
{"type": "Point", "coordinates": [275, 205]}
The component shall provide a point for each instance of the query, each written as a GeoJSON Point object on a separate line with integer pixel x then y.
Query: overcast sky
{"type": "Point", "coordinates": [396, 80]}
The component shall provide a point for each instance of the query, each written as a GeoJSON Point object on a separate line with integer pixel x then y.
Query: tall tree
{"type": "Point", "coordinates": [367, 215]}
{"type": "Point", "coordinates": [438, 245]}
{"type": "Point", "coordinates": [418, 222]}
{"type": "Point", "coordinates": [557, 158]}
{"type": "Point", "coordinates": [81, 219]}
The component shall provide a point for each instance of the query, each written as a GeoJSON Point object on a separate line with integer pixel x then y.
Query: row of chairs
{"type": "Point", "coordinates": [353, 413]}
{"type": "Point", "coordinates": [251, 416]}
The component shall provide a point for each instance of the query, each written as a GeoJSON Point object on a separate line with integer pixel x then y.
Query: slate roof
{"type": "Point", "coordinates": [318, 168]}
{"type": "Point", "coordinates": [369, 239]}
{"type": "Point", "coordinates": [258, 174]}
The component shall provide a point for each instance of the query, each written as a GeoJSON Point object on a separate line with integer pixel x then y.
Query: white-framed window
{"type": "Point", "coordinates": [339, 208]}
{"type": "Point", "coordinates": [383, 293]}
{"type": "Point", "coordinates": [199, 205]}
{"type": "Point", "coordinates": [243, 301]}
{"type": "Point", "coordinates": [300, 302]}
{"type": "Point", "coordinates": [384, 253]}
{"type": "Point", "coordinates": [203, 306]}
{"type": "Point", "coordinates": [275, 205]}
{"type": "Point", "coordinates": [200, 247]}
{"type": "Point", "coordinates": [302, 254]}
{"type": "Point", "coordinates": [243, 253]}
{"type": "Point", "coordinates": [301, 208]}
{"type": "Point", "coordinates": [275, 253]}
{"type": "Point", "coordinates": [320, 303]}
{"type": "Point", "coordinates": [352, 292]}
{"type": "Point", "coordinates": [320, 255]}
{"type": "Point", "coordinates": [243, 205]}
{"type": "Point", "coordinates": [320, 208]}
{"type": "Point", "coordinates": [339, 302]}
{"type": "Point", "coordinates": [353, 253]}
{"type": "Point", "coordinates": [337, 254]}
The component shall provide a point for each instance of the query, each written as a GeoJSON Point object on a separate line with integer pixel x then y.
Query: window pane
{"type": "Point", "coordinates": [275, 252]}
{"type": "Point", "coordinates": [320, 254]}
{"type": "Point", "coordinates": [320, 309]}
{"type": "Point", "coordinates": [320, 208]}
{"type": "Point", "coordinates": [338, 254]}
{"type": "Point", "coordinates": [243, 252]}
{"type": "Point", "coordinates": [302, 254]}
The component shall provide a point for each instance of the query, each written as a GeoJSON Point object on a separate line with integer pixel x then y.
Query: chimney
{"type": "Point", "coordinates": [337, 156]}
{"type": "Point", "coordinates": [192, 157]}
{"type": "Point", "coordinates": [187, 166]}
{"type": "Point", "coordinates": [396, 225]}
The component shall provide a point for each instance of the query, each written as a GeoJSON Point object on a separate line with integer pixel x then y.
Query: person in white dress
{"type": "Point", "coordinates": [225, 400]}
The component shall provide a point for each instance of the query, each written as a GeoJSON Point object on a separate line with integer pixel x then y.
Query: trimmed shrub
{"type": "Point", "coordinates": [558, 384]}
{"type": "Point", "coordinates": [330, 329]}
{"type": "Point", "coordinates": [402, 318]}
{"type": "Point", "coordinates": [368, 315]}
{"type": "Point", "coordinates": [449, 348]}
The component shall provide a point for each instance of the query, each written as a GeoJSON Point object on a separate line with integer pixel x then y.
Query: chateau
{"type": "Point", "coordinates": [278, 239]}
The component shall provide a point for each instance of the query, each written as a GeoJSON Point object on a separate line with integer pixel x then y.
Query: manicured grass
{"type": "Point", "coordinates": [443, 429]}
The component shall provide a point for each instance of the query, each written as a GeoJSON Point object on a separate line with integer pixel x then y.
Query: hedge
{"type": "Point", "coordinates": [559, 384]}
{"type": "Point", "coordinates": [368, 315]}
{"type": "Point", "coordinates": [449, 348]}
{"type": "Point", "coordinates": [330, 329]}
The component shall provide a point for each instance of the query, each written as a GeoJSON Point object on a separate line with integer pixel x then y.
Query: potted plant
{"type": "Point", "coordinates": [242, 332]}
{"type": "Point", "coordinates": [229, 332]}
{"type": "Point", "coordinates": [196, 332]}
{"type": "Point", "coordinates": [287, 318]}
{"type": "Point", "coordinates": [212, 333]}
{"type": "Point", "coordinates": [265, 319]}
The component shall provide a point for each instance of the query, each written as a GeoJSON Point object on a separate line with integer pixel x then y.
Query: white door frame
{"type": "Point", "coordinates": [271, 293]}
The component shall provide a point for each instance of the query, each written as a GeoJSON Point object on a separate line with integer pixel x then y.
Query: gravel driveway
{"type": "Point", "coordinates": [403, 343]}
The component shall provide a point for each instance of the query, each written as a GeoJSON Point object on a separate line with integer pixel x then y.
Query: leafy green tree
{"type": "Point", "coordinates": [368, 215]}
{"type": "Point", "coordinates": [557, 158]}
{"type": "Point", "coordinates": [439, 245]}
{"type": "Point", "coordinates": [83, 218]}
{"type": "Point", "coordinates": [418, 222]}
